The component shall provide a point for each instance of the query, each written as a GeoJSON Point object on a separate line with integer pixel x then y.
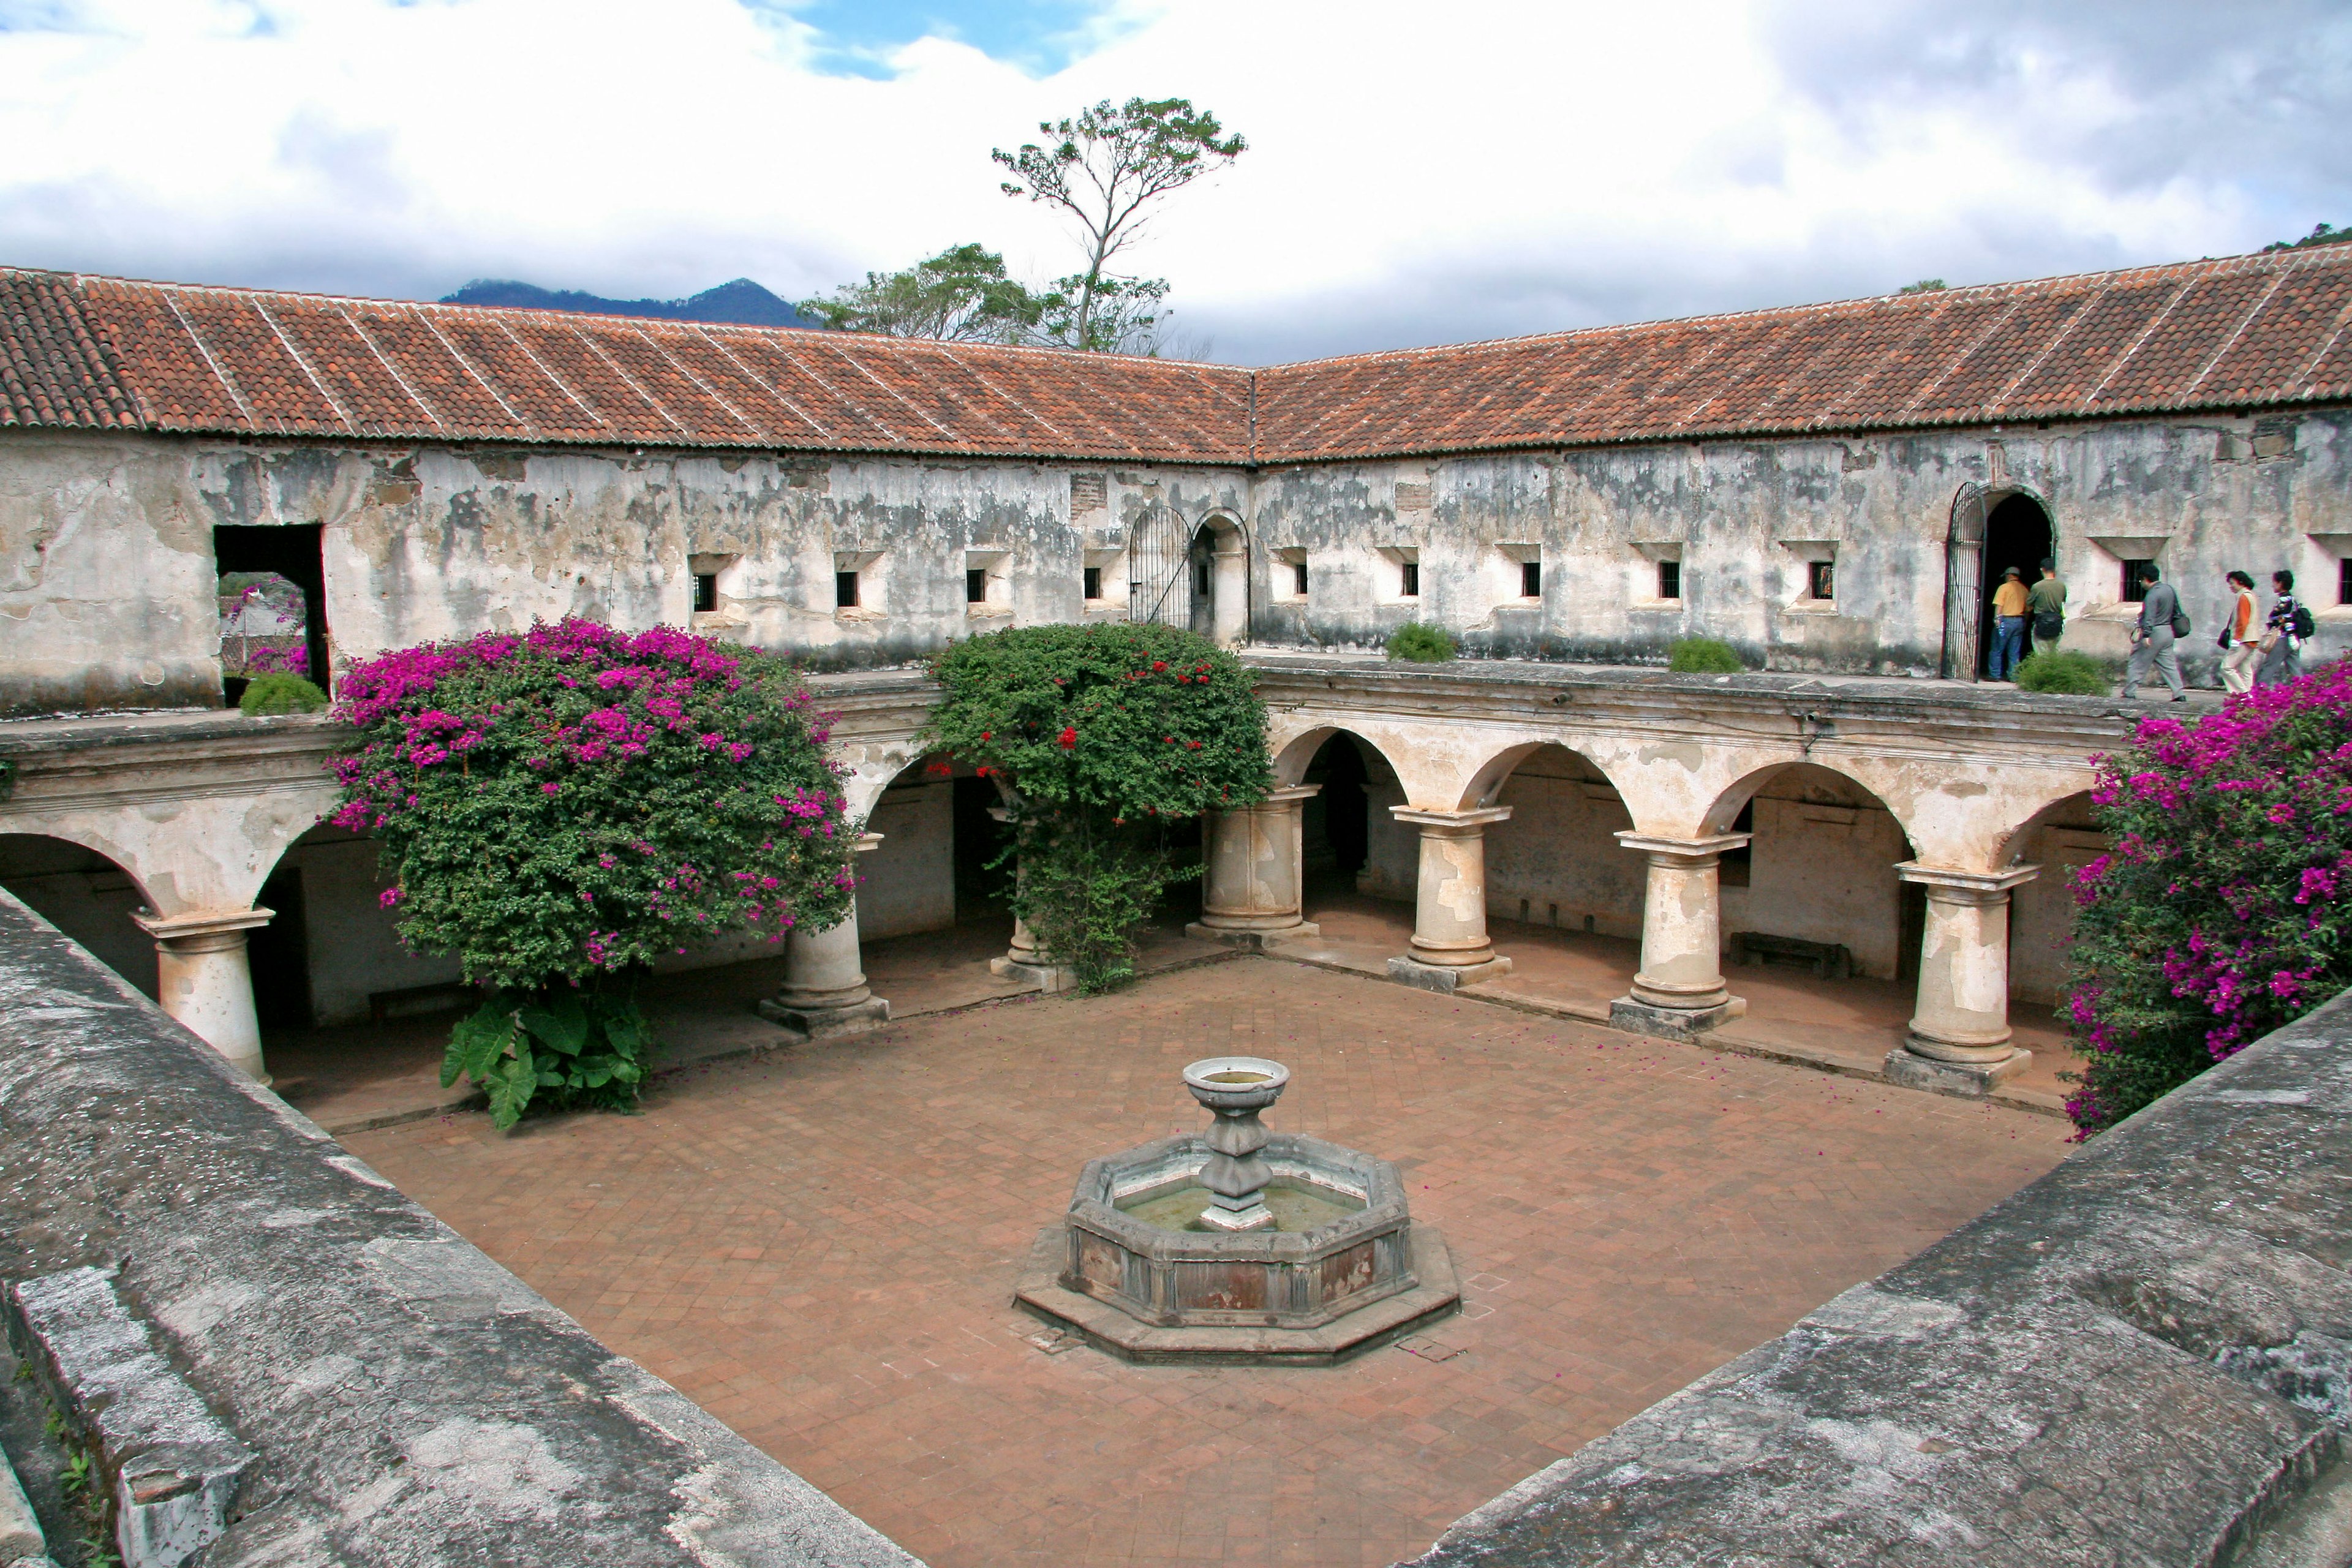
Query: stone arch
{"type": "Point", "coordinates": [1555, 860]}
{"type": "Point", "coordinates": [1347, 826]}
{"type": "Point", "coordinates": [936, 838]}
{"type": "Point", "coordinates": [1735, 796]}
{"type": "Point", "coordinates": [1819, 864]}
{"type": "Point", "coordinates": [2062, 837]}
{"type": "Point", "coordinates": [1487, 781]}
{"type": "Point", "coordinates": [84, 892]}
{"type": "Point", "coordinates": [1293, 754]}
{"type": "Point", "coordinates": [1221, 553]}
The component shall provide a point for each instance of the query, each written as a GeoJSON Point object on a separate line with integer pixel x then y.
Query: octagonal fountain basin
{"type": "Point", "coordinates": [1149, 1262]}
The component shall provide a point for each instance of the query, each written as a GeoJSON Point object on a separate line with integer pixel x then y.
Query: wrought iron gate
{"type": "Point", "coordinates": [1964, 584]}
{"type": "Point", "coordinates": [1159, 569]}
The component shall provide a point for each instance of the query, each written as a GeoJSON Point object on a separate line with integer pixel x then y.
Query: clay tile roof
{"type": "Point", "coordinates": [2240, 333]}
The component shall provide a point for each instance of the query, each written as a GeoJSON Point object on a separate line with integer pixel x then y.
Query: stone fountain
{"type": "Point", "coordinates": [1239, 1244]}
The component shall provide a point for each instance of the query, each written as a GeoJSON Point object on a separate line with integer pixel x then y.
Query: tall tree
{"type": "Point", "coordinates": [1104, 168]}
{"type": "Point", "coordinates": [961, 295]}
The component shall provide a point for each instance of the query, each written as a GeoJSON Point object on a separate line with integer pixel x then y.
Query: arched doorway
{"type": "Point", "coordinates": [2018, 533]}
{"type": "Point", "coordinates": [1556, 862]}
{"type": "Point", "coordinates": [86, 896]}
{"type": "Point", "coordinates": [1219, 565]}
{"type": "Point", "coordinates": [1820, 869]}
{"type": "Point", "coordinates": [1349, 844]}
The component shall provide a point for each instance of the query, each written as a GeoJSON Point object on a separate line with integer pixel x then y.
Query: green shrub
{"type": "Point", "coordinates": [1704, 656]}
{"type": "Point", "coordinates": [1418, 644]}
{"type": "Point", "coordinates": [2062, 673]}
{"type": "Point", "coordinates": [267, 694]}
{"type": "Point", "coordinates": [1106, 735]}
{"type": "Point", "coordinates": [560, 807]}
{"type": "Point", "coordinates": [2220, 913]}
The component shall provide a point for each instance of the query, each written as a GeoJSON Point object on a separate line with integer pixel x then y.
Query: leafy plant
{"type": "Point", "coordinates": [1419, 644]}
{"type": "Point", "coordinates": [564, 1048]}
{"type": "Point", "coordinates": [2216, 916]}
{"type": "Point", "coordinates": [569, 804]}
{"type": "Point", "coordinates": [961, 295]}
{"type": "Point", "coordinates": [2064, 672]}
{"type": "Point", "coordinates": [1704, 656]}
{"type": "Point", "coordinates": [267, 694]}
{"type": "Point", "coordinates": [1102, 736]}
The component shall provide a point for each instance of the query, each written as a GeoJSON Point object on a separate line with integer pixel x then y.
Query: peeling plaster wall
{"type": "Point", "coordinates": [1558, 851]}
{"type": "Point", "coordinates": [908, 881]}
{"type": "Point", "coordinates": [1744, 519]}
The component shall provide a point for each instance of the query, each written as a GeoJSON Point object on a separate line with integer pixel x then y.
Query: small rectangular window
{"type": "Point", "coordinates": [1094, 582]}
{"type": "Point", "coordinates": [1821, 579]}
{"type": "Point", "coordinates": [1670, 579]}
{"type": "Point", "coordinates": [1531, 579]}
{"type": "Point", "coordinates": [2134, 591]}
{"type": "Point", "coordinates": [1410, 586]}
{"type": "Point", "coordinates": [1298, 578]}
{"type": "Point", "coordinates": [2344, 581]}
{"type": "Point", "coordinates": [1201, 577]}
{"type": "Point", "coordinates": [844, 590]}
{"type": "Point", "coordinates": [706, 591]}
{"type": "Point", "coordinates": [975, 586]}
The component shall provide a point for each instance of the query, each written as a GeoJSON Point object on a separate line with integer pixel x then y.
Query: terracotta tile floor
{"type": "Point", "coordinates": [819, 1245]}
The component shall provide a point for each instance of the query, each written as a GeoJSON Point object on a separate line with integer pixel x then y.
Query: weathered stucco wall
{"type": "Point", "coordinates": [1743, 520]}
{"type": "Point", "coordinates": [105, 564]}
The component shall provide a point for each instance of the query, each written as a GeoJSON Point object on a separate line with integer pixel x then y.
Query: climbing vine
{"type": "Point", "coordinates": [1103, 738]}
{"type": "Point", "coordinates": [560, 807]}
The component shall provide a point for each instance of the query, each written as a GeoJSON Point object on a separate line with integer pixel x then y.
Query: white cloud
{"type": "Point", "coordinates": [1417, 174]}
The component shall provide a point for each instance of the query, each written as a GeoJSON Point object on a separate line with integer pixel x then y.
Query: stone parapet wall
{"type": "Point", "coordinates": [407, 1399]}
{"type": "Point", "coordinates": [2144, 1357]}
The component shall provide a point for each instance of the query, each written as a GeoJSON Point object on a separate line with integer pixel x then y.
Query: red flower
{"type": "Point", "coordinates": [1159, 667]}
{"type": "Point", "coordinates": [1069, 737]}
{"type": "Point", "coordinates": [984, 735]}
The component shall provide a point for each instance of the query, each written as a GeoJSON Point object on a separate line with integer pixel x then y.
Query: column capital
{"type": "Point", "coordinates": [1707, 847]}
{"type": "Point", "coordinates": [868, 842]}
{"type": "Point", "coordinates": [200, 923]}
{"type": "Point", "coordinates": [1459, 821]}
{"type": "Point", "coordinates": [1290, 795]}
{"type": "Point", "coordinates": [1953, 885]}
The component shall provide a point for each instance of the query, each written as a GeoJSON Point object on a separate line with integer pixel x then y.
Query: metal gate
{"type": "Point", "coordinates": [1964, 584]}
{"type": "Point", "coordinates": [1159, 569]}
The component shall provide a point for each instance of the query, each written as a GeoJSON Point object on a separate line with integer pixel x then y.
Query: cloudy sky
{"type": "Point", "coordinates": [1417, 172]}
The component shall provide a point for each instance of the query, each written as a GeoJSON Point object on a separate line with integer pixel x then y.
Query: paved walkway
{"type": "Point", "coordinates": [819, 1244]}
{"type": "Point", "coordinates": [1839, 1025]}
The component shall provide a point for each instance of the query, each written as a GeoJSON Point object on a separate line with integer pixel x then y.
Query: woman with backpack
{"type": "Point", "coordinates": [2241, 647]}
{"type": "Point", "coordinates": [2284, 633]}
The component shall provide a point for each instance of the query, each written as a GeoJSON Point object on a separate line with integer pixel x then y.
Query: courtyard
{"type": "Point", "coordinates": [817, 1243]}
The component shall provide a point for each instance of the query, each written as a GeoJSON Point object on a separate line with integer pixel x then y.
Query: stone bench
{"type": "Point", "coordinates": [1830, 960]}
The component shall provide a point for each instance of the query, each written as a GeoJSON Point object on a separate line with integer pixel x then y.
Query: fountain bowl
{"type": "Point", "coordinates": [1362, 1274]}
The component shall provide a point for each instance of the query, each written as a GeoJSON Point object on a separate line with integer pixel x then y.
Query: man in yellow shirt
{"type": "Point", "coordinates": [2008, 624]}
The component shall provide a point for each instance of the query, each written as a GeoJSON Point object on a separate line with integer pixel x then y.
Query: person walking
{"type": "Point", "coordinates": [2008, 625]}
{"type": "Point", "coordinates": [2045, 605]}
{"type": "Point", "coordinates": [2160, 622]}
{"type": "Point", "coordinates": [2283, 633]}
{"type": "Point", "coordinates": [2242, 644]}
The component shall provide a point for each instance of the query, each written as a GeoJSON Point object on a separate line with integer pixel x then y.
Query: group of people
{"type": "Point", "coordinates": [2268, 652]}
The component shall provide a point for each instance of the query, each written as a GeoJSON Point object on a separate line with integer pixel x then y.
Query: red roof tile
{"type": "Point", "coordinates": [2242, 332]}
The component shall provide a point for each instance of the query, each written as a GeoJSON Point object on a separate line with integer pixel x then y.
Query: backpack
{"type": "Point", "coordinates": [2180, 623]}
{"type": "Point", "coordinates": [2048, 624]}
{"type": "Point", "coordinates": [2301, 624]}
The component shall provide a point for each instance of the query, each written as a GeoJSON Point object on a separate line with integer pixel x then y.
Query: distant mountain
{"type": "Point", "coordinates": [741, 302]}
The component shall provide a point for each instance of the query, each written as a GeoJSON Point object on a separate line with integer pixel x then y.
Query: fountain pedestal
{"type": "Point", "coordinates": [1239, 1244]}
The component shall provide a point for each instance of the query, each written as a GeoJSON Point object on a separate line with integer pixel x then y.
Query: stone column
{"type": "Point", "coordinates": [1450, 946]}
{"type": "Point", "coordinates": [1960, 1041]}
{"type": "Point", "coordinates": [204, 980]}
{"type": "Point", "coordinates": [1024, 961]}
{"type": "Point", "coordinates": [1251, 879]}
{"type": "Point", "coordinates": [1679, 989]}
{"type": "Point", "coordinates": [824, 990]}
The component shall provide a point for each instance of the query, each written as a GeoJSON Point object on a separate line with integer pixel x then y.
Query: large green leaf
{"type": "Point", "coordinates": [563, 1024]}
{"type": "Point", "coordinates": [511, 1086]}
{"type": "Point", "coordinates": [477, 1042]}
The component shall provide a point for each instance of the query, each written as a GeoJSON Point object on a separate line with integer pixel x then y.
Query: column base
{"type": "Point", "coordinates": [1253, 941]}
{"type": "Point", "coordinates": [1442, 978]}
{"type": "Point", "coordinates": [1965, 1081]}
{"type": "Point", "coordinates": [823, 1023]}
{"type": "Point", "coordinates": [1636, 1016]}
{"type": "Point", "coordinates": [1050, 978]}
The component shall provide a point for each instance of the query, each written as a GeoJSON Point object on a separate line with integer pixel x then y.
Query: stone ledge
{"type": "Point", "coordinates": [1108, 1328]}
{"type": "Point", "coordinates": [376, 1362]}
{"type": "Point", "coordinates": [2144, 1356]}
{"type": "Point", "coordinates": [1254, 941]}
{"type": "Point", "coordinates": [824, 1023]}
{"type": "Point", "coordinates": [1445, 979]}
{"type": "Point", "coordinates": [1963, 1081]}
